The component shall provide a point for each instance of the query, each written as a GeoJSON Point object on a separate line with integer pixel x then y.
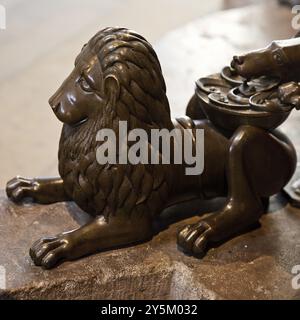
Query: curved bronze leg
{"type": "Point", "coordinates": [258, 166]}
{"type": "Point", "coordinates": [97, 235]}
{"type": "Point", "coordinates": [41, 190]}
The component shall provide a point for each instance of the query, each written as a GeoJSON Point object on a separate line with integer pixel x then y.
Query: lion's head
{"type": "Point", "coordinates": [117, 76]}
{"type": "Point", "coordinates": [116, 70]}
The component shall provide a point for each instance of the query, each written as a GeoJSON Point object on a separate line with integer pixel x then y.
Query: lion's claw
{"type": "Point", "coordinates": [47, 252]}
{"type": "Point", "coordinates": [20, 188]}
{"type": "Point", "coordinates": [193, 239]}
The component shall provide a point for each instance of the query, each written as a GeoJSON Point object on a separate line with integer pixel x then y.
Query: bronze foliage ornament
{"type": "Point", "coordinates": [117, 77]}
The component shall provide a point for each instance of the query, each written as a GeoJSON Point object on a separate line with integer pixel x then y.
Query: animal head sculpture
{"type": "Point", "coordinates": [117, 77]}
{"type": "Point", "coordinates": [117, 73]}
{"type": "Point", "coordinates": [280, 59]}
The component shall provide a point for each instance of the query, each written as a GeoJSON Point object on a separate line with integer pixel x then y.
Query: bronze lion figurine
{"type": "Point", "coordinates": [117, 77]}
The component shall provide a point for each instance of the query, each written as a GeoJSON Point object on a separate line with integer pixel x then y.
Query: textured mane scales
{"type": "Point", "coordinates": [143, 103]}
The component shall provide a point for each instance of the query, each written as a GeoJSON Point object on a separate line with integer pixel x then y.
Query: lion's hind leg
{"type": "Point", "coordinates": [258, 166]}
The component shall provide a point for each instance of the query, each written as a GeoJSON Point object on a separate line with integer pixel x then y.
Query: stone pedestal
{"type": "Point", "coordinates": [256, 265]}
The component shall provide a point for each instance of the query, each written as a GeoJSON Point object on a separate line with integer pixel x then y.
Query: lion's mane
{"type": "Point", "coordinates": [114, 189]}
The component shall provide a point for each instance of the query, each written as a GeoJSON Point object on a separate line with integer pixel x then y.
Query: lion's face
{"type": "Point", "coordinates": [79, 96]}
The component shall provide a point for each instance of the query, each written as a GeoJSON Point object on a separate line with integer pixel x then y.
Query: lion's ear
{"type": "Point", "coordinates": [112, 88]}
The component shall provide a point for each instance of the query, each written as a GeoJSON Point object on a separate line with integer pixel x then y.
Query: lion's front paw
{"type": "Point", "coordinates": [193, 238]}
{"type": "Point", "coordinates": [47, 252]}
{"type": "Point", "coordinates": [20, 188]}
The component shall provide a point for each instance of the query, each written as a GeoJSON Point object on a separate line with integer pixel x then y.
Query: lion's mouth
{"type": "Point", "coordinates": [65, 117]}
{"type": "Point", "coordinates": [79, 123]}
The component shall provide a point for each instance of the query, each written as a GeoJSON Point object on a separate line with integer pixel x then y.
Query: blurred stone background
{"type": "Point", "coordinates": [37, 51]}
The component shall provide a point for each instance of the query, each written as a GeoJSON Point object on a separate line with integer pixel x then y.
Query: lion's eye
{"type": "Point", "coordinates": [84, 85]}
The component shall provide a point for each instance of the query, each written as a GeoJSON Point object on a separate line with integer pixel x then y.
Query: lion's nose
{"type": "Point", "coordinates": [53, 104]}
{"type": "Point", "coordinates": [55, 99]}
{"type": "Point", "coordinates": [51, 101]}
